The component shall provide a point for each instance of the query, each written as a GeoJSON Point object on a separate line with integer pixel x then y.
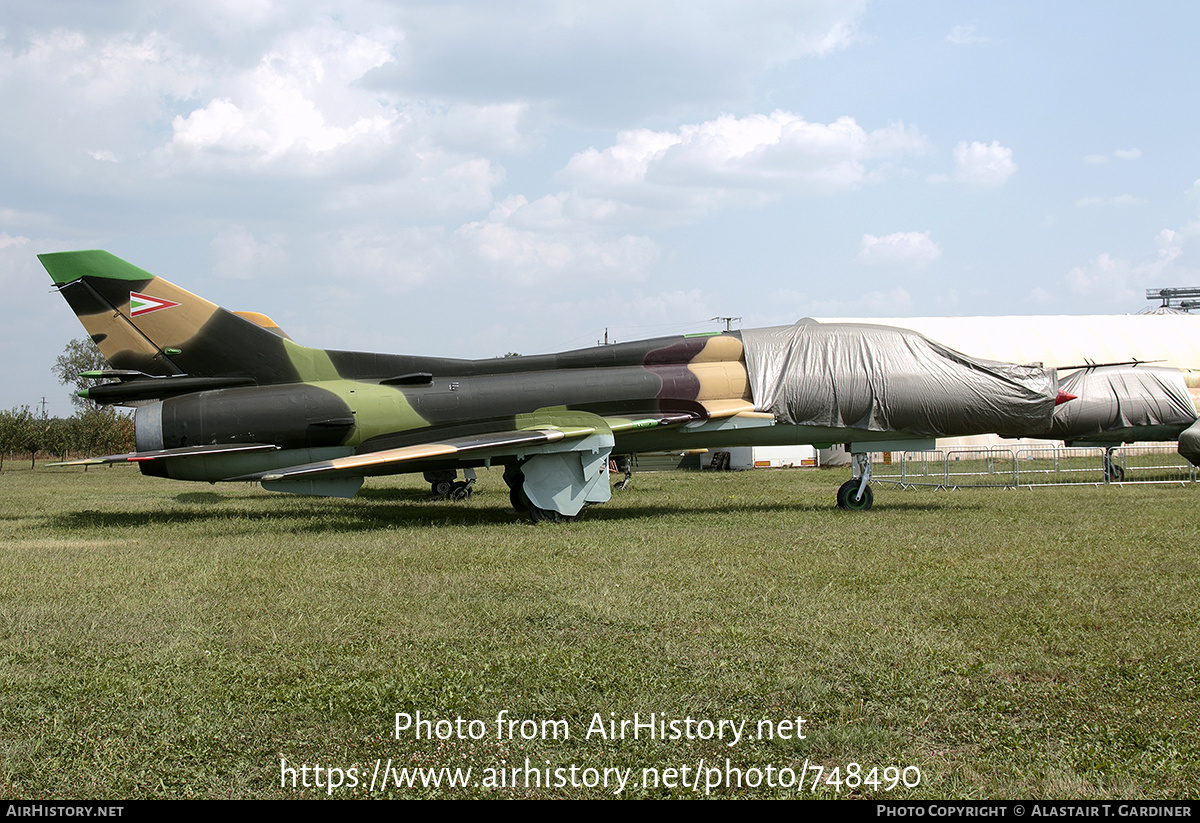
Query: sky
{"type": "Point", "coordinates": [474, 178]}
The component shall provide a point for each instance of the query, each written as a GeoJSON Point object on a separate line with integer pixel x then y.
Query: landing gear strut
{"type": "Point", "coordinates": [855, 494]}
{"type": "Point", "coordinates": [624, 464]}
{"type": "Point", "coordinates": [1113, 473]}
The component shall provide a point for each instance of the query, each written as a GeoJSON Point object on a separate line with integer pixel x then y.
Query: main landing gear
{"type": "Point", "coordinates": [855, 494]}
{"type": "Point", "coordinates": [554, 485]}
{"type": "Point", "coordinates": [515, 479]}
{"type": "Point", "coordinates": [445, 484]}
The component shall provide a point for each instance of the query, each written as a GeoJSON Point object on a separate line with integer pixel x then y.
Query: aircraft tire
{"type": "Point", "coordinates": [846, 493]}
{"type": "Point", "coordinates": [441, 488]}
{"type": "Point", "coordinates": [516, 496]}
{"type": "Point", "coordinates": [514, 478]}
{"type": "Point", "coordinates": [460, 490]}
{"type": "Point", "coordinates": [537, 516]}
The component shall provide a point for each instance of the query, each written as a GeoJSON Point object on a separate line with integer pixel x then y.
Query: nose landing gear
{"type": "Point", "coordinates": [855, 494]}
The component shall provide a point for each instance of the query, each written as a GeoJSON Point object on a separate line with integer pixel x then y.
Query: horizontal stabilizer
{"type": "Point", "coordinates": [114, 374]}
{"type": "Point", "coordinates": [158, 388]}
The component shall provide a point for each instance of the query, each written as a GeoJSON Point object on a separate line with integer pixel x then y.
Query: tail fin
{"type": "Point", "coordinates": [148, 324]}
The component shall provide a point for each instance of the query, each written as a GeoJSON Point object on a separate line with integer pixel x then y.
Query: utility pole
{"type": "Point", "coordinates": [728, 321]}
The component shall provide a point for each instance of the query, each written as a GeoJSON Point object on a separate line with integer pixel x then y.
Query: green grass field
{"type": "Point", "coordinates": [170, 640]}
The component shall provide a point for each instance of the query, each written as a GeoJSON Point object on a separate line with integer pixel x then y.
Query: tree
{"type": "Point", "coordinates": [93, 428]}
{"type": "Point", "coordinates": [100, 430]}
{"type": "Point", "coordinates": [9, 426]}
{"type": "Point", "coordinates": [80, 355]}
{"type": "Point", "coordinates": [59, 437]}
{"type": "Point", "coordinates": [20, 430]}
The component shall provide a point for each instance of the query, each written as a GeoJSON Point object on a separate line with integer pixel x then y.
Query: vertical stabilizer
{"type": "Point", "coordinates": [149, 324]}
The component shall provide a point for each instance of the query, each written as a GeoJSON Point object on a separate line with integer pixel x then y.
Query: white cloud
{"type": "Point", "coordinates": [964, 35]}
{"type": "Point", "coordinates": [1120, 154]}
{"type": "Point", "coordinates": [65, 94]}
{"type": "Point", "coordinates": [982, 164]}
{"type": "Point", "coordinates": [300, 100]}
{"type": "Point", "coordinates": [732, 160]}
{"type": "Point", "coordinates": [1118, 200]}
{"type": "Point", "coordinates": [16, 242]}
{"type": "Point", "coordinates": [914, 250]}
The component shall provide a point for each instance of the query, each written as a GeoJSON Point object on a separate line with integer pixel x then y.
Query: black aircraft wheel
{"type": "Point", "coordinates": [515, 479]}
{"type": "Point", "coordinates": [846, 497]}
{"type": "Point", "coordinates": [460, 490]}
{"type": "Point", "coordinates": [1116, 475]}
{"type": "Point", "coordinates": [516, 496]}
{"type": "Point", "coordinates": [537, 515]}
{"type": "Point", "coordinates": [441, 488]}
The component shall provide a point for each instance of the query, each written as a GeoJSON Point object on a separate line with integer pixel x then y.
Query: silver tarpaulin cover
{"type": "Point", "coordinates": [1189, 444]}
{"type": "Point", "coordinates": [881, 378]}
{"type": "Point", "coordinates": [1111, 398]}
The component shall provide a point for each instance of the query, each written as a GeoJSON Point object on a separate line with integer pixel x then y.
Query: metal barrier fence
{"type": "Point", "coordinates": [1011, 467]}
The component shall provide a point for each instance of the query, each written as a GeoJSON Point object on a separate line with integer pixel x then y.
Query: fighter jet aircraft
{"type": "Point", "coordinates": [227, 396]}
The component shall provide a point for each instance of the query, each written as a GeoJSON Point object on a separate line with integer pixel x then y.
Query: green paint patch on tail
{"type": "Point", "coordinates": [69, 266]}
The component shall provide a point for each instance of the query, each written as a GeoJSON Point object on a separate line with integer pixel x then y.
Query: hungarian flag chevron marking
{"type": "Point", "coordinates": [144, 304]}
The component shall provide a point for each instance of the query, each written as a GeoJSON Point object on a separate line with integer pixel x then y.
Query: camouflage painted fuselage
{"type": "Point", "coordinates": [326, 403]}
{"type": "Point", "coordinates": [356, 403]}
